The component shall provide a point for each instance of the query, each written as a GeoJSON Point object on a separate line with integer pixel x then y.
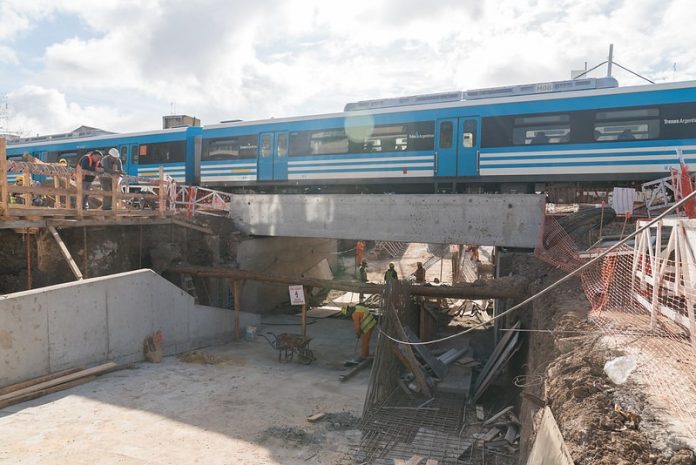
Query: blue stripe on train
{"type": "Point", "coordinates": [587, 155]}
{"type": "Point", "coordinates": [670, 161]}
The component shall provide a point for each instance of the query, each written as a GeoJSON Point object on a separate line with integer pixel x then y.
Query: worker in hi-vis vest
{"type": "Point", "coordinates": [364, 323]}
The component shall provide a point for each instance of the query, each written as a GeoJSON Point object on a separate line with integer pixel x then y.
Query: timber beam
{"type": "Point", "coordinates": [501, 288]}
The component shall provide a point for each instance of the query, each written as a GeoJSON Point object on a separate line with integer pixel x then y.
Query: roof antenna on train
{"type": "Point", "coordinates": [610, 62]}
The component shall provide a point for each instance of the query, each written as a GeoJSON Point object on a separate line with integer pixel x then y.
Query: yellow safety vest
{"type": "Point", "coordinates": [368, 321]}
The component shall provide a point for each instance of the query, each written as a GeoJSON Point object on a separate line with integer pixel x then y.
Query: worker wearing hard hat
{"type": "Point", "coordinates": [390, 274]}
{"type": "Point", "coordinates": [111, 164]}
{"type": "Point", "coordinates": [364, 324]}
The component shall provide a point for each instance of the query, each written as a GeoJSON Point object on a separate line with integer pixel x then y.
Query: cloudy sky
{"type": "Point", "coordinates": [122, 64]}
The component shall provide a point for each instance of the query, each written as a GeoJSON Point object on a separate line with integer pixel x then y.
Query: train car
{"type": "Point", "coordinates": [142, 153]}
{"type": "Point", "coordinates": [517, 138]}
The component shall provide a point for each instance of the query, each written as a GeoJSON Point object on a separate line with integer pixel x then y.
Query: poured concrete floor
{"type": "Point", "coordinates": [190, 413]}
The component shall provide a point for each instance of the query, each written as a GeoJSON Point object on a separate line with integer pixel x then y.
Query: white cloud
{"type": "Point", "coordinates": [7, 55]}
{"type": "Point", "coordinates": [37, 110]}
{"type": "Point", "coordinates": [221, 59]}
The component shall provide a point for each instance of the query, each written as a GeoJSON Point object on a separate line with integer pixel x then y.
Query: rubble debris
{"type": "Point", "coordinates": [292, 435]}
{"type": "Point", "coordinates": [340, 421]}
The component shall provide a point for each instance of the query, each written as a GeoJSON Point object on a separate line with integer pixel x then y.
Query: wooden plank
{"type": "Point", "coordinates": [353, 371]}
{"type": "Point", "coordinates": [499, 348]}
{"type": "Point", "coordinates": [80, 193]}
{"type": "Point", "coordinates": [439, 368]}
{"type": "Point", "coordinates": [484, 380]}
{"type": "Point", "coordinates": [491, 434]}
{"type": "Point", "coordinates": [99, 369]}
{"type": "Point", "coordinates": [40, 379]}
{"type": "Point", "coordinates": [43, 392]}
{"type": "Point", "coordinates": [316, 417]}
{"type": "Point", "coordinates": [66, 253]}
{"type": "Point", "coordinates": [497, 415]}
{"type": "Point", "coordinates": [41, 190]}
{"type": "Point", "coordinates": [195, 227]}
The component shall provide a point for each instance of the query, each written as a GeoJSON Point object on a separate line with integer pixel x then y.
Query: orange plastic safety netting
{"type": "Point", "coordinates": [642, 297]}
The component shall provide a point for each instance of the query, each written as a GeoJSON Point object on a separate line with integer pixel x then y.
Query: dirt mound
{"type": "Point", "coordinates": [203, 358]}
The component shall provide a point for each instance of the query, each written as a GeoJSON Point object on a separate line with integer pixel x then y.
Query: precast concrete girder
{"type": "Point", "coordinates": [506, 220]}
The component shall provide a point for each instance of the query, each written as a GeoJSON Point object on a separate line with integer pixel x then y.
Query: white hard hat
{"type": "Point", "coordinates": [114, 152]}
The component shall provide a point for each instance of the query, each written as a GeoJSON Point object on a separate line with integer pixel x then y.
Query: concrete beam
{"type": "Point", "coordinates": [488, 219]}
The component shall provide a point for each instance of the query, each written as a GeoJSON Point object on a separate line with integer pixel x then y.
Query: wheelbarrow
{"type": "Point", "coordinates": [287, 344]}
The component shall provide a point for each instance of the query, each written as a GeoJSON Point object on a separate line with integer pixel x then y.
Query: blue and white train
{"type": "Point", "coordinates": [520, 138]}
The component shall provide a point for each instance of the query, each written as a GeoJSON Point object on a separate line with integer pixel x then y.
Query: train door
{"type": "Point", "coordinates": [280, 156]}
{"type": "Point", "coordinates": [133, 160]}
{"type": "Point", "coordinates": [469, 135]}
{"type": "Point", "coordinates": [125, 157]}
{"type": "Point", "coordinates": [446, 148]}
{"type": "Point", "coordinates": [265, 156]}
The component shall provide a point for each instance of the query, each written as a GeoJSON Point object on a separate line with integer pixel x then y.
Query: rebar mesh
{"type": "Point", "coordinates": [400, 424]}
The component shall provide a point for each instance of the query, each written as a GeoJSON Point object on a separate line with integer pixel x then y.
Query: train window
{"type": "Point", "coordinates": [383, 138]}
{"type": "Point", "coordinates": [124, 154]}
{"type": "Point", "coordinates": [282, 145]}
{"type": "Point", "coordinates": [469, 133]}
{"type": "Point", "coordinates": [446, 132]}
{"type": "Point", "coordinates": [328, 141]}
{"type": "Point", "coordinates": [541, 129]}
{"type": "Point", "coordinates": [230, 148]}
{"type": "Point", "coordinates": [627, 125]}
{"type": "Point", "coordinates": [266, 145]}
{"type": "Point", "coordinates": [539, 135]}
{"type": "Point", "coordinates": [163, 152]}
{"type": "Point", "coordinates": [627, 130]}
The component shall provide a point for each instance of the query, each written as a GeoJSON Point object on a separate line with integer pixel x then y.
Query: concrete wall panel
{"type": "Point", "coordinates": [129, 316]}
{"type": "Point", "coordinates": [76, 330]}
{"type": "Point", "coordinates": [23, 338]}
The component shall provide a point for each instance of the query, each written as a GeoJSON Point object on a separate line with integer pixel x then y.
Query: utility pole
{"type": "Point", "coordinates": [610, 60]}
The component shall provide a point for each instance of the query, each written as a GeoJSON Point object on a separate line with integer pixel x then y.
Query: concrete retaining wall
{"type": "Point", "coordinates": [549, 447]}
{"type": "Point", "coordinates": [288, 256]}
{"type": "Point", "coordinates": [87, 322]}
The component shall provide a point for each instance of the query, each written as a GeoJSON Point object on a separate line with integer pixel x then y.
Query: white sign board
{"type": "Point", "coordinates": [296, 295]}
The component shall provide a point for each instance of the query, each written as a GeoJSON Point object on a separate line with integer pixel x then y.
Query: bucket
{"type": "Point", "coordinates": [250, 333]}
